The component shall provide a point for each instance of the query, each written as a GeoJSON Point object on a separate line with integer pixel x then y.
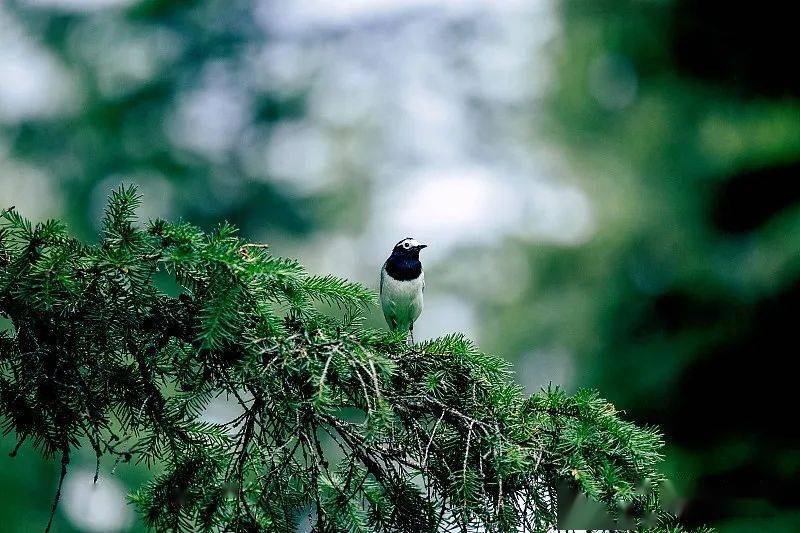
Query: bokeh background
{"type": "Point", "coordinates": [610, 190]}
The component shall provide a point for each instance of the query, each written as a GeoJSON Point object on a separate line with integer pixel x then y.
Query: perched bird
{"type": "Point", "coordinates": [402, 285]}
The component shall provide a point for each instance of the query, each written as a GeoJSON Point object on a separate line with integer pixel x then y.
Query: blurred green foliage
{"type": "Point", "coordinates": [121, 127]}
{"type": "Point", "coordinates": [682, 305]}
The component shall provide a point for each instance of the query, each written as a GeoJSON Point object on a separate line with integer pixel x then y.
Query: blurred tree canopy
{"type": "Point", "coordinates": [683, 119]}
{"type": "Point", "coordinates": [167, 95]}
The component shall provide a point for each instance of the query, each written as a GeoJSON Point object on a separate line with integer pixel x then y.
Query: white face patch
{"type": "Point", "coordinates": [409, 243]}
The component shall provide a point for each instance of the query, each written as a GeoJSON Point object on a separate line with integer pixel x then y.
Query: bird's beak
{"type": "Point", "coordinates": [421, 246]}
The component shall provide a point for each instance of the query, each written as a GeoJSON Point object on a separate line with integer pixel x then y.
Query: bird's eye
{"type": "Point", "coordinates": [406, 245]}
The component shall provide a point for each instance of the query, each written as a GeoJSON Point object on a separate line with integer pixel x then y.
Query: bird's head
{"type": "Point", "coordinates": [408, 247]}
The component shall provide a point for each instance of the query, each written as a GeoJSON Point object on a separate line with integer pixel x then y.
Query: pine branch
{"type": "Point", "coordinates": [434, 436]}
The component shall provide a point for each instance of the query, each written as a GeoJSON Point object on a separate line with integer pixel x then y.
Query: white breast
{"type": "Point", "coordinates": [401, 300]}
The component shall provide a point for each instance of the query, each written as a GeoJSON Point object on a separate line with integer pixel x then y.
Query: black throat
{"type": "Point", "coordinates": [403, 266]}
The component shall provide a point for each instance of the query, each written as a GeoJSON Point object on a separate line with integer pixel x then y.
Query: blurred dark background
{"type": "Point", "coordinates": [610, 190]}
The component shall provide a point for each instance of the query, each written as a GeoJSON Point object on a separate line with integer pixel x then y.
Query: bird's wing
{"type": "Point", "coordinates": [387, 306]}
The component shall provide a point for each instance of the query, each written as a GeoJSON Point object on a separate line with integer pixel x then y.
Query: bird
{"type": "Point", "coordinates": [402, 286]}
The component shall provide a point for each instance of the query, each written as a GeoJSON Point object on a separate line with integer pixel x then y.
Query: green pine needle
{"type": "Point", "coordinates": [342, 427]}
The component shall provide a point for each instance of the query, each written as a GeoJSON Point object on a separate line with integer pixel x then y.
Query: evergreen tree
{"type": "Point", "coordinates": [346, 428]}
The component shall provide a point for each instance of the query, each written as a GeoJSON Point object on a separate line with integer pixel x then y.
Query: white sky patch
{"type": "Point", "coordinates": [298, 154]}
{"type": "Point", "coordinates": [79, 5]}
{"type": "Point", "coordinates": [445, 314]}
{"type": "Point", "coordinates": [29, 189]}
{"type": "Point", "coordinates": [456, 206]}
{"type": "Point", "coordinates": [221, 410]}
{"type": "Point", "coordinates": [283, 67]}
{"type": "Point", "coordinates": [556, 213]}
{"type": "Point", "coordinates": [430, 125]}
{"type": "Point", "coordinates": [289, 15]}
{"type": "Point", "coordinates": [498, 275]}
{"type": "Point", "coordinates": [33, 82]}
{"type": "Point", "coordinates": [157, 192]}
{"type": "Point", "coordinates": [333, 253]}
{"type": "Point", "coordinates": [344, 96]}
{"type": "Point", "coordinates": [95, 507]}
{"type": "Point", "coordinates": [209, 119]}
{"type": "Point", "coordinates": [540, 367]}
